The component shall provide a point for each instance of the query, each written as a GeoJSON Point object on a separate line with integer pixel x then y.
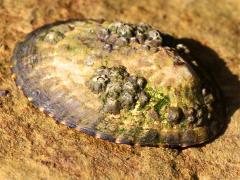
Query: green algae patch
{"type": "Point", "coordinates": [158, 101]}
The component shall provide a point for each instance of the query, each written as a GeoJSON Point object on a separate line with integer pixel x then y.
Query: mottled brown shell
{"type": "Point", "coordinates": [118, 82]}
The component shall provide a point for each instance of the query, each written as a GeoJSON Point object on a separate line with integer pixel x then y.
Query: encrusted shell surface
{"type": "Point", "coordinates": [118, 82]}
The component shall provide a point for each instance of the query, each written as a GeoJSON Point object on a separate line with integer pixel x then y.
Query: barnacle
{"type": "Point", "coordinates": [119, 90]}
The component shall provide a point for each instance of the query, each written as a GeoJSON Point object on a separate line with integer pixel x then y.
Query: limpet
{"type": "Point", "coordinates": [118, 82]}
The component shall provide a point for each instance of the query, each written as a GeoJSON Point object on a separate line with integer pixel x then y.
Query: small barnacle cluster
{"type": "Point", "coordinates": [190, 115]}
{"type": "Point", "coordinates": [121, 34]}
{"type": "Point", "coordinates": [118, 89]}
{"type": "Point", "coordinates": [196, 115]}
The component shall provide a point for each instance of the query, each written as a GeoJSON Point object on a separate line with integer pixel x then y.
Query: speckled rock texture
{"type": "Point", "coordinates": [33, 146]}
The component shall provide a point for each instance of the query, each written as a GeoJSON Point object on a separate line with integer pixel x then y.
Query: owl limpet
{"type": "Point", "coordinates": [119, 82]}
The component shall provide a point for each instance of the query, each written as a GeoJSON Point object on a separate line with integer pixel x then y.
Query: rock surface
{"type": "Point", "coordinates": [34, 147]}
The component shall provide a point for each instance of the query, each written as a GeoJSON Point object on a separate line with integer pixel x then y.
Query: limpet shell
{"type": "Point", "coordinates": [116, 81]}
